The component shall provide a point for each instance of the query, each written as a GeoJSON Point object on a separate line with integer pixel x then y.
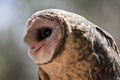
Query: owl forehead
{"type": "Point", "coordinates": [72, 20]}
{"type": "Point", "coordinates": [39, 22]}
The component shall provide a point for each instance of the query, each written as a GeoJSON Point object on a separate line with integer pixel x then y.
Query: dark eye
{"type": "Point", "coordinates": [43, 33]}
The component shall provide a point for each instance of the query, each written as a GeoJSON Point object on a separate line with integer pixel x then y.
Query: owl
{"type": "Point", "coordinates": [66, 46]}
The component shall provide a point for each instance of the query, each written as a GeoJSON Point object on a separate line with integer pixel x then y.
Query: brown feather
{"type": "Point", "coordinates": [83, 51]}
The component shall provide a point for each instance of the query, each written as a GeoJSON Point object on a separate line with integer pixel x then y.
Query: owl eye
{"type": "Point", "coordinates": [43, 33]}
{"type": "Point", "coordinates": [46, 32]}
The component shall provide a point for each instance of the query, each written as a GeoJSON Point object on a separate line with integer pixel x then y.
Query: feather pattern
{"type": "Point", "coordinates": [85, 52]}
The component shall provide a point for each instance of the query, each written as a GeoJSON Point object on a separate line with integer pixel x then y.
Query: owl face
{"type": "Point", "coordinates": [43, 36]}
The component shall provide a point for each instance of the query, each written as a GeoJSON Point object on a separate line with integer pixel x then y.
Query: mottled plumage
{"type": "Point", "coordinates": [66, 46]}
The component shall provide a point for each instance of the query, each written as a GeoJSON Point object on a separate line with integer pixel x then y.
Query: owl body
{"type": "Point", "coordinates": [76, 49]}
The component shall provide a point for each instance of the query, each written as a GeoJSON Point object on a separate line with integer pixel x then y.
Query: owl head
{"type": "Point", "coordinates": [45, 34]}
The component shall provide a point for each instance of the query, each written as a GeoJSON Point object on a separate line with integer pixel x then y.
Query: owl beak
{"type": "Point", "coordinates": [33, 44]}
{"type": "Point", "coordinates": [37, 47]}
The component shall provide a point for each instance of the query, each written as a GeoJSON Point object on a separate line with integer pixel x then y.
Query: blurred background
{"type": "Point", "coordinates": [14, 61]}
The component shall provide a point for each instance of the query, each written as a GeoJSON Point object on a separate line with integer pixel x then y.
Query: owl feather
{"type": "Point", "coordinates": [66, 46]}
